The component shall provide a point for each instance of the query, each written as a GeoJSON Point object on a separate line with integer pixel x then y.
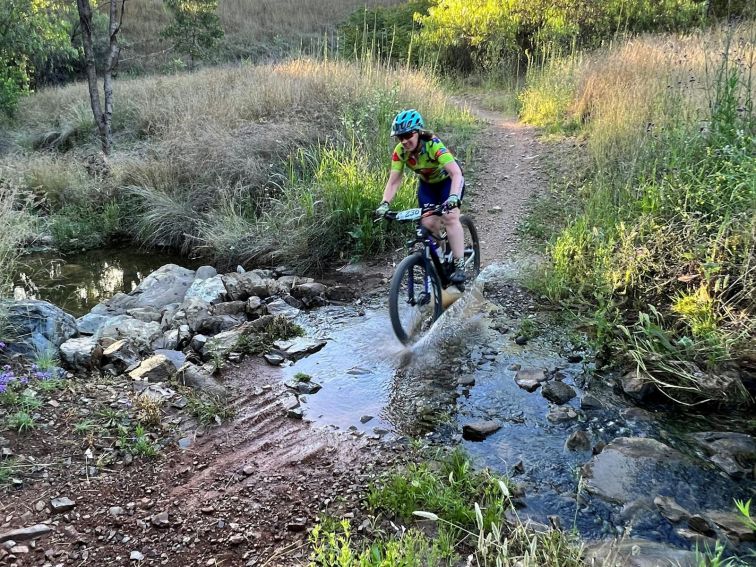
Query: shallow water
{"type": "Point", "coordinates": [77, 282]}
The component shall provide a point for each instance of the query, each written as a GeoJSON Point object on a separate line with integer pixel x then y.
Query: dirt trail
{"type": "Point", "coordinates": [507, 174]}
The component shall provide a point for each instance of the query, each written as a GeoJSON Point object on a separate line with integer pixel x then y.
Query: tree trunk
{"type": "Point", "coordinates": [103, 118]}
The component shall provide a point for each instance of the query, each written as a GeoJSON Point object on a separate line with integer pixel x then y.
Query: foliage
{"type": "Point", "coordinates": [210, 410]}
{"type": "Point", "coordinates": [279, 328]}
{"type": "Point", "coordinates": [666, 216]}
{"type": "Point", "coordinates": [196, 27]}
{"type": "Point", "coordinates": [21, 421]}
{"type": "Point", "coordinates": [31, 33]}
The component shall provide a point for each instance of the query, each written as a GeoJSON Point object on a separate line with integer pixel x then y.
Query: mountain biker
{"type": "Point", "coordinates": [440, 180]}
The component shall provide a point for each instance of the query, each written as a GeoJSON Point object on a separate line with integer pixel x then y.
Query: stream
{"type": "Point", "coordinates": [463, 372]}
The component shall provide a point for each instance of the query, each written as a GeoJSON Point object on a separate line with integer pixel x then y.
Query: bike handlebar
{"type": "Point", "coordinates": [410, 215]}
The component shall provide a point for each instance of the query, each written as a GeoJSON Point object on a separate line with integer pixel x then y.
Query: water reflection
{"type": "Point", "coordinates": [78, 282]}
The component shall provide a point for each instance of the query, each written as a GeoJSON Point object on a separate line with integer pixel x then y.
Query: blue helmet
{"type": "Point", "coordinates": [407, 121]}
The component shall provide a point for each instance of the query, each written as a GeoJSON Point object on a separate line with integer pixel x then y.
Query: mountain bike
{"type": "Point", "coordinates": [417, 289]}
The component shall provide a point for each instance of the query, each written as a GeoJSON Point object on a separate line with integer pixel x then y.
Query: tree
{"type": "Point", "coordinates": [31, 33]}
{"type": "Point", "coordinates": [103, 115]}
{"type": "Point", "coordinates": [196, 27]}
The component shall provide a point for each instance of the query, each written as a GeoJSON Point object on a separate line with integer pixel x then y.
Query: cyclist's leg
{"type": "Point", "coordinates": [428, 197]}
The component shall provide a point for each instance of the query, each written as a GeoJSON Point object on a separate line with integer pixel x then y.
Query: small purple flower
{"type": "Point", "coordinates": [2, 345]}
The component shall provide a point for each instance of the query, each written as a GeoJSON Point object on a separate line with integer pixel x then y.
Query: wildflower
{"type": "Point", "coordinates": [2, 345]}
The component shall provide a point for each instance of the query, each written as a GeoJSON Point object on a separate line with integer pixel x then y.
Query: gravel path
{"type": "Point", "coordinates": [508, 173]}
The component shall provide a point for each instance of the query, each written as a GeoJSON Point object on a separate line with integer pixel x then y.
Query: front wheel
{"type": "Point", "coordinates": [472, 248]}
{"type": "Point", "coordinates": [414, 298]}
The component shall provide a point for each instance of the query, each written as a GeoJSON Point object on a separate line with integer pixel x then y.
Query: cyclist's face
{"type": "Point", "coordinates": [409, 140]}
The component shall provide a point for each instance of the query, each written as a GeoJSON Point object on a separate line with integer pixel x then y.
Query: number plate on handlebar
{"type": "Point", "coordinates": [409, 214]}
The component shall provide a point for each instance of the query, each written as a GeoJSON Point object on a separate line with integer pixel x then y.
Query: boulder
{"type": "Point", "coordinates": [558, 392]}
{"type": "Point", "coordinates": [192, 312]}
{"type": "Point", "coordinates": [734, 453]}
{"type": "Point", "coordinates": [198, 378]}
{"type": "Point", "coordinates": [280, 307]}
{"type": "Point", "coordinates": [670, 509]}
{"type": "Point", "coordinates": [243, 286]}
{"type": "Point", "coordinates": [299, 347]}
{"type": "Point", "coordinates": [215, 324]}
{"type": "Point", "coordinates": [122, 354]}
{"type": "Point", "coordinates": [637, 386]}
{"type": "Point", "coordinates": [140, 333]}
{"type": "Point", "coordinates": [561, 414]}
{"type": "Point", "coordinates": [90, 323]}
{"type": "Point", "coordinates": [82, 353]}
{"type": "Point", "coordinates": [530, 378]}
{"type": "Point", "coordinates": [340, 293]}
{"type": "Point", "coordinates": [308, 291]}
{"type": "Point", "coordinates": [205, 272]}
{"type": "Point", "coordinates": [146, 314]}
{"type": "Point", "coordinates": [39, 327]}
{"type": "Point", "coordinates": [233, 308]}
{"type": "Point", "coordinates": [157, 368]}
{"type": "Point", "coordinates": [167, 284]}
{"type": "Point", "coordinates": [210, 290]}
{"type": "Point", "coordinates": [479, 430]}
{"type": "Point", "coordinates": [177, 358]}
{"type": "Point", "coordinates": [578, 441]}
{"type": "Point", "coordinates": [168, 316]}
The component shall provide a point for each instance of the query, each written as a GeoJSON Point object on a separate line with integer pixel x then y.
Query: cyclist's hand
{"type": "Point", "coordinates": [382, 209]}
{"type": "Point", "coordinates": [451, 203]}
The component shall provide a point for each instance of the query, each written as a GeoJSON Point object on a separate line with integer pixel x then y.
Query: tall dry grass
{"type": "Point", "coordinates": [224, 160]}
{"type": "Point", "coordinates": [665, 241]}
{"type": "Point", "coordinates": [252, 27]}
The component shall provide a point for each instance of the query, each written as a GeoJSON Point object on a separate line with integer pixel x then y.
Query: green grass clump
{"type": "Point", "coordinates": [661, 244]}
{"type": "Point", "coordinates": [210, 410]}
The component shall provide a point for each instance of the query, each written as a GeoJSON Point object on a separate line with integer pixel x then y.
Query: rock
{"type": "Point", "coordinates": [731, 523]}
{"type": "Point", "coordinates": [26, 534]}
{"type": "Point", "coordinates": [366, 418]}
{"type": "Point", "coordinates": [146, 314]}
{"type": "Point", "coordinates": [210, 290]}
{"type": "Point", "coordinates": [279, 307]}
{"type": "Point", "coordinates": [222, 343]}
{"type": "Point", "coordinates": [168, 316]}
{"type": "Point", "coordinates": [39, 327]}
{"type": "Point", "coordinates": [305, 387]}
{"type": "Point", "coordinates": [205, 272]}
{"type": "Point", "coordinates": [215, 324]}
{"type": "Point", "coordinates": [734, 453]}
{"type": "Point", "coordinates": [141, 334]}
{"type": "Point", "coordinates": [199, 379]}
{"type": "Point", "coordinates": [574, 358]}
{"type": "Point", "coordinates": [638, 553]}
{"type": "Point", "coordinates": [193, 312]}
{"type": "Point", "coordinates": [169, 341]}
{"type": "Point", "coordinates": [90, 323]}
{"type": "Point", "coordinates": [629, 468]}
{"type": "Point", "coordinates": [590, 402]}
{"type": "Point", "coordinates": [233, 308]}
{"type": "Point", "coordinates": [157, 392]}
{"type": "Point", "coordinates": [637, 386]}
{"type": "Point", "coordinates": [670, 509]}
{"type": "Point", "coordinates": [701, 525]}
{"type": "Point", "coordinates": [176, 357]}
{"type": "Point", "coordinates": [521, 340]}
{"type": "Point", "coordinates": [167, 284]}
{"type": "Point", "coordinates": [157, 368]}
{"type": "Point", "coordinates": [636, 414]}
{"type": "Point", "coordinates": [245, 285]}
{"type": "Point", "coordinates": [530, 378]}
{"type": "Point", "coordinates": [308, 291]}
{"type": "Point", "coordinates": [62, 504]}
{"type": "Point", "coordinates": [255, 306]}
{"type": "Point", "coordinates": [578, 441]}
{"type": "Point", "coordinates": [295, 413]}
{"type": "Point", "coordinates": [289, 403]}
{"type": "Point", "coordinates": [466, 381]}
{"type": "Point", "coordinates": [160, 520]}
{"type": "Point", "coordinates": [136, 556]}
{"type": "Point", "coordinates": [558, 392]}
{"type": "Point", "coordinates": [122, 354]}
{"type": "Point", "coordinates": [198, 342]}
{"type": "Point", "coordinates": [561, 414]}
{"type": "Point", "coordinates": [82, 353]}
{"type": "Point", "coordinates": [299, 347]}
{"type": "Point", "coordinates": [480, 430]}
{"type": "Point", "coordinates": [340, 293]}
{"type": "Point", "coordinates": [274, 359]}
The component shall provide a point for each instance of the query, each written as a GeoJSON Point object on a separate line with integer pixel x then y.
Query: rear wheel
{"type": "Point", "coordinates": [414, 298]}
{"type": "Point", "coordinates": [472, 248]}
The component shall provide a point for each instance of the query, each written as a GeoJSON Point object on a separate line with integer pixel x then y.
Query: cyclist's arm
{"type": "Point", "coordinates": [457, 179]}
{"type": "Point", "coordinates": [392, 185]}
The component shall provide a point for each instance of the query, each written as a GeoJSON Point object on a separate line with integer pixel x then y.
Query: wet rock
{"type": "Point", "coordinates": [558, 392]}
{"type": "Point", "coordinates": [199, 379]}
{"type": "Point", "coordinates": [295, 413]}
{"type": "Point", "coordinates": [530, 379]}
{"type": "Point", "coordinates": [696, 539]}
{"type": "Point", "coordinates": [62, 504]}
{"type": "Point", "coordinates": [574, 358]}
{"type": "Point", "coordinates": [82, 353]}
{"type": "Point", "coordinates": [590, 402]}
{"type": "Point", "coordinates": [366, 418]}
{"type": "Point", "coordinates": [515, 367]}
{"type": "Point", "coordinates": [210, 290]}
{"type": "Point", "coordinates": [157, 368]}
{"type": "Point", "coordinates": [630, 467]}
{"type": "Point", "coordinates": [479, 430]}
{"type": "Point", "coordinates": [466, 381]}
{"type": "Point", "coordinates": [340, 293]}
{"type": "Point", "coordinates": [299, 347]}
{"type": "Point", "coordinates": [26, 534]}
{"type": "Point", "coordinates": [38, 326]}
{"type": "Point", "coordinates": [308, 291]}
{"type": "Point", "coordinates": [733, 526]}
{"type": "Point", "coordinates": [578, 441]}
{"type": "Point", "coordinates": [274, 359]}
{"type": "Point", "coordinates": [279, 307]}
{"type": "Point", "coordinates": [637, 414]}
{"type": "Point", "coordinates": [638, 553]}
{"type": "Point", "coordinates": [521, 340]}
{"type": "Point", "coordinates": [637, 386]}
{"type": "Point", "coordinates": [561, 414]}
{"type": "Point", "coordinates": [670, 509]}
{"type": "Point", "coordinates": [734, 453]}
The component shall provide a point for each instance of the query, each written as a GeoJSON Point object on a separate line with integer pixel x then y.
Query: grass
{"type": "Point", "coordinates": [226, 161]}
{"type": "Point", "coordinates": [660, 246]}
{"type": "Point", "coordinates": [279, 328]}
{"type": "Point", "coordinates": [21, 421]}
{"type": "Point", "coordinates": [210, 410]}
{"type": "Point", "coordinates": [452, 511]}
